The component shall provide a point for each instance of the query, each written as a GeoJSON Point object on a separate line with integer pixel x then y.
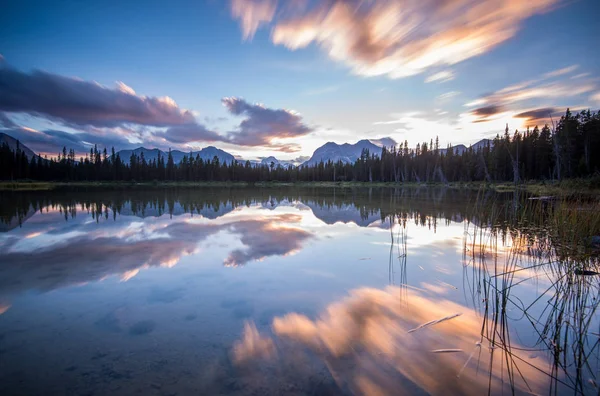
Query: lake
{"type": "Point", "coordinates": [288, 291]}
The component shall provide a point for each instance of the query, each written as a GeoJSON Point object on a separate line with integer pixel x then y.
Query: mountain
{"type": "Point", "coordinates": [482, 143]}
{"type": "Point", "coordinates": [384, 142]}
{"type": "Point", "coordinates": [149, 154]}
{"type": "Point", "coordinates": [12, 144]}
{"type": "Point", "coordinates": [286, 164]}
{"type": "Point", "coordinates": [207, 153]}
{"type": "Point", "coordinates": [347, 153]}
{"type": "Point", "coordinates": [461, 148]}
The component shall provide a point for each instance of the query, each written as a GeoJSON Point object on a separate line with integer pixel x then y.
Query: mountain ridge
{"type": "Point", "coordinates": [330, 151]}
{"type": "Point", "coordinates": [12, 144]}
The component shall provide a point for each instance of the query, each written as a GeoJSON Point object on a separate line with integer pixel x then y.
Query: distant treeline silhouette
{"type": "Point", "coordinates": [563, 150]}
{"type": "Point", "coordinates": [425, 207]}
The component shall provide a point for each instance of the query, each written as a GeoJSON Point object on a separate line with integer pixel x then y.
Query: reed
{"type": "Point", "coordinates": [538, 242]}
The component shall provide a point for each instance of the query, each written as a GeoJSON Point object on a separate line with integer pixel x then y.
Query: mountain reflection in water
{"type": "Point", "coordinates": [287, 290]}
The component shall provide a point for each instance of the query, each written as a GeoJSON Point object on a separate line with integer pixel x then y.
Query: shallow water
{"type": "Point", "coordinates": [270, 291]}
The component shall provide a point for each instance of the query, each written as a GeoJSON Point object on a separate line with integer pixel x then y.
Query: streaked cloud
{"type": "Point", "coordinates": [6, 122]}
{"type": "Point", "coordinates": [560, 72]}
{"type": "Point", "coordinates": [79, 102]}
{"type": "Point", "coordinates": [395, 38]}
{"type": "Point", "coordinates": [50, 142]}
{"type": "Point", "coordinates": [580, 75]}
{"type": "Point", "coordinates": [442, 76]}
{"type": "Point", "coordinates": [252, 14]}
{"type": "Point", "coordinates": [263, 126]}
{"type": "Point", "coordinates": [487, 112]}
{"type": "Point", "coordinates": [368, 333]}
{"type": "Point", "coordinates": [448, 95]}
{"type": "Point", "coordinates": [524, 97]}
{"type": "Point", "coordinates": [540, 116]}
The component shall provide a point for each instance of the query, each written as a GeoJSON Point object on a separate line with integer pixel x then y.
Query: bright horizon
{"type": "Point", "coordinates": [260, 78]}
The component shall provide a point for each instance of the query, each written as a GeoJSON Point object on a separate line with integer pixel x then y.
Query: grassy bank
{"type": "Point", "coordinates": [588, 186]}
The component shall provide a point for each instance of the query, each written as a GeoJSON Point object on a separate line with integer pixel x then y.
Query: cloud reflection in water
{"type": "Point", "coordinates": [366, 343]}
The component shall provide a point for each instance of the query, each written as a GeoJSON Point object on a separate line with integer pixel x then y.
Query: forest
{"type": "Point", "coordinates": [566, 149]}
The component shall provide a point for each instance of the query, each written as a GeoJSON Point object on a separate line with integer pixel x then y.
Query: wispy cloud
{"type": "Point", "coordinates": [396, 38]}
{"type": "Point", "coordinates": [560, 72]}
{"type": "Point", "coordinates": [50, 142]}
{"type": "Point", "coordinates": [6, 122]}
{"type": "Point", "coordinates": [448, 95]}
{"type": "Point", "coordinates": [252, 14]}
{"type": "Point", "coordinates": [442, 76]}
{"type": "Point", "coordinates": [520, 98]}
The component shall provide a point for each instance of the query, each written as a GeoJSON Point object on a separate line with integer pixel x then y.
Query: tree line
{"type": "Point", "coordinates": [562, 150]}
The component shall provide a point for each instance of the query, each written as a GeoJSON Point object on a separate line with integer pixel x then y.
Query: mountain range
{"type": "Point", "coordinates": [207, 154]}
{"type": "Point", "coordinates": [461, 148]}
{"type": "Point", "coordinates": [347, 153]}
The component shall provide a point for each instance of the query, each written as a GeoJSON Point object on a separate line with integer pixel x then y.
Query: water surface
{"type": "Point", "coordinates": [271, 291]}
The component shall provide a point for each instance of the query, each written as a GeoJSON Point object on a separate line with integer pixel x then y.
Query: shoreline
{"type": "Point", "coordinates": [570, 187]}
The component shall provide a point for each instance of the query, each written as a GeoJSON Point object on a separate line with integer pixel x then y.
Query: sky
{"type": "Point", "coordinates": [266, 77]}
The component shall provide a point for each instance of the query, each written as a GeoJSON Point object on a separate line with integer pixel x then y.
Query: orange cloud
{"type": "Point", "coordinates": [517, 101]}
{"type": "Point", "coordinates": [371, 341]}
{"type": "Point", "coordinates": [397, 38]}
{"type": "Point", "coordinates": [252, 14]}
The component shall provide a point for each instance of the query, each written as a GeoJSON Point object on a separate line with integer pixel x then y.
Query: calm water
{"type": "Point", "coordinates": [281, 291]}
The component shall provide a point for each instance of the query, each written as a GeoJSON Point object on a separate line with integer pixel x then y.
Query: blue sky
{"type": "Point", "coordinates": [321, 71]}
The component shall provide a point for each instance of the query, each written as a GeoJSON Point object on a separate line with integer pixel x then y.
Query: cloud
{"type": "Point", "coordinates": [528, 93]}
{"type": "Point", "coordinates": [540, 116]}
{"type": "Point", "coordinates": [301, 159]}
{"type": "Point", "coordinates": [448, 95]}
{"type": "Point", "coordinates": [536, 89]}
{"type": "Point", "coordinates": [182, 134]}
{"type": "Point", "coordinates": [595, 98]}
{"type": "Point", "coordinates": [263, 126]}
{"type": "Point", "coordinates": [372, 344]}
{"type": "Point", "coordinates": [580, 75]}
{"type": "Point", "coordinates": [562, 71]}
{"type": "Point", "coordinates": [487, 111]}
{"type": "Point", "coordinates": [50, 141]}
{"type": "Point", "coordinates": [395, 38]}
{"type": "Point", "coordinates": [6, 122]}
{"type": "Point", "coordinates": [124, 246]}
{"type": "Point", "coordinates": [252, 346]}
{"type": "Point", "coordinates": [78, 102]}
{"type": "Point", "coordinates": [252, 14]}
{"type": "Point", "coordinates": [266, 239]}
{"type": "Point", "coordinates": [442, 76]}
